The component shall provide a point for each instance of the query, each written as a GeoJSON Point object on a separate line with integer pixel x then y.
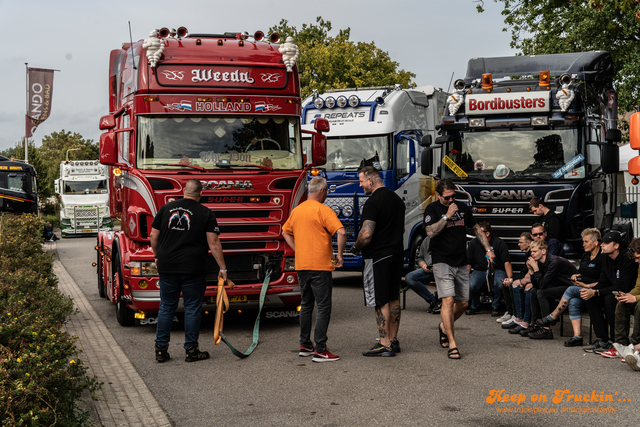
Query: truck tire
{"type": "Point", "coordinates": [124, 314]}
{"type": "Point", "coordinates": [413, 250]}
{"type": "Point", "coordinates": [102, 289]}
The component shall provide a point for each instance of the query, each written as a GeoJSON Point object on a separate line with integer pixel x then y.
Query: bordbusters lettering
{"type": "Point", "coordinates": [506, 194]}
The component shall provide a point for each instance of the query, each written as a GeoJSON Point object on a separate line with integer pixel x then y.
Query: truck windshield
{"type": "Point", "coordinates": [85, 187]}
{"type": "Point", "coordinates": [350, 153]}
{"type": "Point", "coordinates": [516, 155]}
{"type": "Point", "coordinates": [238, 142]}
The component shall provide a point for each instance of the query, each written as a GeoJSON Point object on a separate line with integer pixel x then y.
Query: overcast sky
{"type": "Point", "coordinates": [431, 38]}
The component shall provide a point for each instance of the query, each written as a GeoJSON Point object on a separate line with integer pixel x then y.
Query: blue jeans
{"type": "Point", "coordinates": [192, 287]}
{"type": "Point", "coordinates": [316, 287]}
{"type": "Point", "coordinates": [527, 306]}
{"type": "Point", "coordinates": [572, 294]}
{"type": "Point", "coordinates": [518, 301]}
{"type": "Point", "coordinates": [479, 278]}
{"type": "Point", "coordinates": [417, 280]}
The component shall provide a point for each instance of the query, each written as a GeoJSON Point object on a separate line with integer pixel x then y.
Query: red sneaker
{"type": "Point", "coordinates": [325, 356]}
{"type": "Point", "coordinates": [610, 354]}
{"type": "Point", "coordinates": [306, 351]}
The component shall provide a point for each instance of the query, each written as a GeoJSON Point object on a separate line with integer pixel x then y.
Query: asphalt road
{"type": "Point", "coordinates": [419, 387]}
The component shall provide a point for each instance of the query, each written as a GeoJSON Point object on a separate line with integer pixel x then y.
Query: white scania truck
{"type": "Point", "coordinates": [84, 197]}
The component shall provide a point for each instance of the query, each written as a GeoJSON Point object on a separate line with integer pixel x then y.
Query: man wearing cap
{"type": "Point", "coordinates": [619, 273]}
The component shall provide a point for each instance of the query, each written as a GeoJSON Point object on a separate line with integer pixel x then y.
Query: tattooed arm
{"type": "Point", "coordinates": [364, 237]}
{"type": "Point", "coordinates": [435, 229]}
{"type": "Point", "coordinates": [482, 238]}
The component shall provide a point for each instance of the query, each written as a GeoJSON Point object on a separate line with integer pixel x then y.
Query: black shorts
{"type": "Point", "coordinates": [382, 279]}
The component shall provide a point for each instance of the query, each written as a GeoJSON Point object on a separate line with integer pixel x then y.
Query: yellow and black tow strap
{"type": "Point", "coordinates": [222, 305]}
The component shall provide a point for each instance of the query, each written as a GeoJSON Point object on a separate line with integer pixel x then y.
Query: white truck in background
{"type": "Point", "coordinates": [83, 192]}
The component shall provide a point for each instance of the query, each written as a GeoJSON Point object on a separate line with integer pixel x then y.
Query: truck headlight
{"type": "Point", "coordinates": [290, 264]}
{"type": "Point", "coordinates": [143, 268]}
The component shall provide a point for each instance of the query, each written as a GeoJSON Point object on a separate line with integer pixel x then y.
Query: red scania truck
{"type": "Point", "coordinates": [224, 109]}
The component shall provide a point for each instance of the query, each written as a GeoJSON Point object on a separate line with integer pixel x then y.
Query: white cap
{"type": "Point", "coordinates": [501, 172]}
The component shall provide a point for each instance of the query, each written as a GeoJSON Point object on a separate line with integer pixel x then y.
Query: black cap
{"type": "Point", "coordinates": [612, 236]}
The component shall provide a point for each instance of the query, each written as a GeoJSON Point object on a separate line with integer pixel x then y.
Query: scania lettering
{"type": "Point", "coordinates": [223, 109]}
{"type": "Point", "coordinates": [526, 126]}
{"type": "Point", "coordinates": [83, 191]}
{"type": "Point", "coordinates": [380, 127]}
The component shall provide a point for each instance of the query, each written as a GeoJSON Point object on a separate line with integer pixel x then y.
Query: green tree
{"type": "Point", "coordinates": [54, 150]}
{"type": "Point", "coordinates": [558, 26]}
{"type": "Point", "coordinates": [333, 62]}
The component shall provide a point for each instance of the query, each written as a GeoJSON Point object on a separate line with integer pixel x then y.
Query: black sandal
{"type": "Point", "coordinates": [444, 339]}
{"type": "Point", "coordinates": [454, 352]}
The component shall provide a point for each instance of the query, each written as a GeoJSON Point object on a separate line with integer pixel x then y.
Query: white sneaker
{"type": "Point", "coordinates": [509, 320]}
{"type": "Point", "coordinates": [633, 360]}
{"type": "Point", "coordinates": [506, 316]}
{"type": "Point", "coordinates": [623, 350]}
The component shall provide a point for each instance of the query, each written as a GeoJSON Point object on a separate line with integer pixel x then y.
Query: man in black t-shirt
{"type": "Point", "coordinates": [181, 234]}
{"type": "Point", "coordinates": [548, 218]}
{"type": "Point", "coordinates": [380, 240]}
{"type": "Point", "coordinates": [446, 222]}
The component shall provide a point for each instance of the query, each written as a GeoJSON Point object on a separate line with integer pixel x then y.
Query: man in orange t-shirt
{"type": "Point", "coordinates": [308, 231]}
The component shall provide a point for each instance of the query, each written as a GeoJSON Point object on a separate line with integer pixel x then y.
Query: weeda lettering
{"type": "Point", "coordinates": [205, 75]}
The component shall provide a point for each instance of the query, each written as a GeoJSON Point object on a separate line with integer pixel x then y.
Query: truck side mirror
{"type": "Point", "coordinates": [610, 158]}
{"type": "Point", "coordinates": [426, 162]}
{"type": "Point", "coordinates": [613, 135]}
{"type": "Point", "coordinates": [56, 186]}
{"type": "Point", "coordinates": [318, 149]}
{"type": "Point", "coordinates": [444, 139]}
{"type": "Point", "coordinates": [107, 122]}
{"type": "Point", "coordinates": [108, 149]}
{"type": "Point", "coordinates": [321, 125]}
{"type": "Point", "coordinates": [319, 142]}
{"type": "Point", "coordinates": [426, 141]}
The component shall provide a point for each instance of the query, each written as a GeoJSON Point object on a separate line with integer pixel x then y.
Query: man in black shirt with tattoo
{"type": "Point", "coordinates": [446, 223]}
{"type": "Point", "coordinates": [380, 240]}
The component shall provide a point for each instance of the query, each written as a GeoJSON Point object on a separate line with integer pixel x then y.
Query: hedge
{"type": "Point", "coordinates": [41, 377]}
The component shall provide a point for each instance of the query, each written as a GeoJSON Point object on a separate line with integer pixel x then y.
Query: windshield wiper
{"type": "Point", "coordinates": [269, 168]}
{"type": "Point", "coordinates": [200, 168]}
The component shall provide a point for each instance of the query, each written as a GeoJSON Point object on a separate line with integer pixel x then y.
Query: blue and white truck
{"type": "Point", "coordinates": [382, 127]}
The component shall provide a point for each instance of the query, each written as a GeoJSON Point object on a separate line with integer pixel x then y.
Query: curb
{"type": "Point", "coordinates": [124, 399]}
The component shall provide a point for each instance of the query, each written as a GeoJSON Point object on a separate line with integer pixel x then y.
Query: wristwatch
{"type": "Point", "coordinates": [446, 218]}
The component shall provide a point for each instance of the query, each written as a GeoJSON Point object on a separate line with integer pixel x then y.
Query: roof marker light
{"type": "Point", "coordinates": [487, 81]}
{"type": "Point", "coordinates": [545, 78]}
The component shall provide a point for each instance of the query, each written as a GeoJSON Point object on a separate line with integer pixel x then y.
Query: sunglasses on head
{"type": "Point", "coordinates": [448, 197]}
{"type": "Point", "coordinates": [537, 234]}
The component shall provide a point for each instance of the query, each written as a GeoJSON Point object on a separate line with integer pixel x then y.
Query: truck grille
{"type": "Point", "coordinates": [350, 218]}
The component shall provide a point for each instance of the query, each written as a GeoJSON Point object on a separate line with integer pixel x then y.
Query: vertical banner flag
{"type": "Point", "coordinates": [40, 94]}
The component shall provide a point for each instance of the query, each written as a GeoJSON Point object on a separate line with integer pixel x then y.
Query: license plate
{"type": "Point", "coordinates": [232, 298]}
{"type": "Point", "coordinates": [87, 231]}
